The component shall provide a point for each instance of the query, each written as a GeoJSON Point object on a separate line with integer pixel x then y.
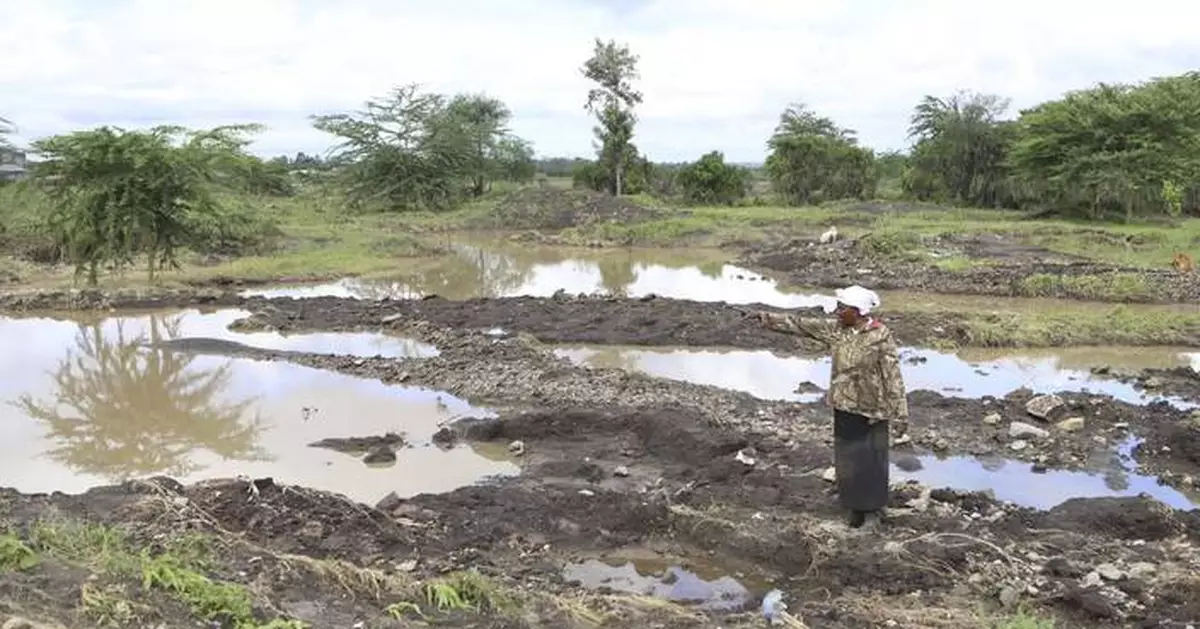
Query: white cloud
{"type": "Point", "coordinates": [715, 73]}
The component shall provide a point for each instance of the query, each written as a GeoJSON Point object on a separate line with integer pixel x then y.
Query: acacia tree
{"type": "Point", "coordinates": [1113, 148]}
{"type": "Point", "coordinates": [119, 194]}
{"type": "Point", "coordinates": [614, 69]}
{"type": "Point", "coordinates": [710, 181]}
{"type": "Point", "coordinates": [812, 159]}
{"type": "Point", "coordinates": [960, 144]}
{"type": "Point", "coordinates": [419, 150]}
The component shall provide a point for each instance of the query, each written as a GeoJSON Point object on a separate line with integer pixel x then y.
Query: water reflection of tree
{"type": "Point", "coordinates": [469, 272]}
{"type": "Point", "coordinates": [617, 274]}
{"type": "Point", "coordinates": [121, 411]}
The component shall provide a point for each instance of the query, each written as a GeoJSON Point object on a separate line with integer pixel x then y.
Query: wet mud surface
{"type": "Point", "coordinates": [1000, 267]}
{"type": "Point", "coordinates": [664, 478]}
{"type": "Point", "coordinates": [613, 460]}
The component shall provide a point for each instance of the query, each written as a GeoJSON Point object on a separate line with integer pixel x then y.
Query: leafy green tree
{"type": "Point", "coordinates": [812, 159]}
{"type": "Point", "coordinates": [613, 68]}
{"type": "Point", "coordinates": [120, 194]}
{"type": "Point", "coordinates": [1112, 148]}
{"type": "Point", "coordinates": [514, 160]}
{"type": "Point", "coordinates": [420, 151]}
{"type": "Point", "coordinates": [960, 144]}
{"type": "Point", "coordinates": [482, 122]}
{"type": "Point", "coordinates": [710, 181]}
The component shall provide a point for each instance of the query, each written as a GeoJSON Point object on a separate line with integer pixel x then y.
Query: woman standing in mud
{"type": "Point", "coordinates": [866, 391]}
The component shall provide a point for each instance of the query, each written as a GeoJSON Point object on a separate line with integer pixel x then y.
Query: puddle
{"type": "Point", "coordinates": [765, 375]}
{"type": "Point", "coordinates": [1016, 482]}
{"type": "Point", "coordinates": [700, 584]}
{"type": "Point", "coordinates": [81, 404]}
{"type": "Point", "coordinates": [60, 331]}
{"type": "Point", "coordinates": [501, 270]}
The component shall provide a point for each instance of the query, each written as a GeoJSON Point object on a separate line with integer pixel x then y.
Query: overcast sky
{"type": "Point", "coordinates": [716, 74]}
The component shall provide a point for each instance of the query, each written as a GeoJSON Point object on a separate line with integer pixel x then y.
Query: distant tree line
{"type": "Point", "coordinates": [118, 195]}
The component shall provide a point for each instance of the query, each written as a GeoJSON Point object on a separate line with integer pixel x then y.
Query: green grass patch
{"type": "Point", "coordinates": [1106, 287]}
{"type": "Point", "coordinates": [1024, 620]}
{"type": "Point", "coordinates": [122, 575]}
{"type": "Point", "coordinates": [1091, 325]}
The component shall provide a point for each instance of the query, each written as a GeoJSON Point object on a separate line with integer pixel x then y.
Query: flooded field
{"type": "Point", "coordinates": [617, 461]}
{"type": "Point", "coordinates": [85, 403]}
{"type": "Point", "coordinates": [491, 269]}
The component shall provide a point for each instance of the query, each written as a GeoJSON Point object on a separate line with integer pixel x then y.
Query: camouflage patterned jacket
{"type": "Point", "coordinates": [866, 377]}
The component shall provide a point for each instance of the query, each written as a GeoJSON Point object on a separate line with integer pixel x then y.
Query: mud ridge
{"type": "Point", "coordinates": [1004, 266]}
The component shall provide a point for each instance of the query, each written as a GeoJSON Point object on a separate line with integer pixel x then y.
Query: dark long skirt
{"type": "Point", "coordinates": [861, 460]}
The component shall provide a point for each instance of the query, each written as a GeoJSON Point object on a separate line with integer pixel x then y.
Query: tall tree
{"type": "Point", "coordinates": [417, 150]}
{"type": "Point", "coordinates": [813, 159]}
{"type": "Point", "coordinates": [1113, 148]}
{"type": "Point", "coordinates": [960, 143]}
{"type": "Point", "coordinates": [120, 194]}
{"type": "Point", "coordinates": [614, 69]}
{"type": "Point", "coordinates": [483, 123]}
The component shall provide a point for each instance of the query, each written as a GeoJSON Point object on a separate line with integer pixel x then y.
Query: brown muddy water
{"type": "Point", "coordinates": [83, 403]}
{"type": "Point", "coordinates": [685, 580]}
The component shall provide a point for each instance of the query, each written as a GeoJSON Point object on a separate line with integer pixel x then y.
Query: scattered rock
{"type": "Point", "coordinates": [1021, 430]}
{"type": "Point", "coordinates": [992, 419]}
{"type": "Point", "coordinates": [1109, 572]}
{"type": "Point", "coordinates": [1043, 406]}
{"type": "Point", "coordinates": [621, 471]}
{"type": "Point", "coordinates": [1071, 424]}
{"type": "Point", "coordinates": [380, 455]}
{"type": "Point", "coordinates": [517, 448]}
{"type": "Point", "coordinates": [830, 474]}
{"type": "Point", "coordinates": [1018, 445]}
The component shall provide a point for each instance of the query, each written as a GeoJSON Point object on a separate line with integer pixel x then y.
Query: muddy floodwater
{"type": "Point", "coordinates": [770, 376]}
{"type": "Point", "coordinates": [84, 403]}
{"type": "Point", "coordinates": [483, 268]}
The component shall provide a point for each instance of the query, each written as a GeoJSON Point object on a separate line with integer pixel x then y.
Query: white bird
{"type": "Point", "coordinates": [829, 236]}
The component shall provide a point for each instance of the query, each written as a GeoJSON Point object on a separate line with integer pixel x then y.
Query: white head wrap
{"type": "Point", "coordinates": [863, 299]}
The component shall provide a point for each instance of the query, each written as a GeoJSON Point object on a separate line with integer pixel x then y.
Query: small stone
{"type": "Point", "coordinates": [1142, 569]}
{"type": "Point", "coordinates": [517, 448]}
{"type": "Point", "coordinates": [407, 566]}
{"type": "Point", "coordinates": [1043, 406]}
{"type": "Point", "coordinates": [1071, 424]}
{"type": "Point", "coordinates": [992, 419]}
{"type": "Point", "coordinates": [1018, 445]}
{"type": "Point", "coordinates": [941, 444]}
{"type": "Point", "coordinates": [1092, 579]}
{"type": "Point", "coordinates": [586, 492]}
{"type": "Point", "coordinates": [1009, 597]}
{"type": "Point", "coordinates": [1153, 382]}
{"type": "Point", "coordinates": [1109, 572]}
{"type": "Point", "coordinates": [829, 475]}
{"type": "Point", "coordinates": [902, 440]}
{"type": "Point", "coordinates": [392, 318]}
{"type": "Point", "coordinates": [1021, 430]}
{"type": "Point", "coordinates": [621, 471]}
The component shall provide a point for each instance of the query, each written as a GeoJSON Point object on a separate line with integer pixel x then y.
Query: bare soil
{"type": "Point", "coordinates": [551, 208]}
{"type": "Point", "coordinates": [1001, 263]}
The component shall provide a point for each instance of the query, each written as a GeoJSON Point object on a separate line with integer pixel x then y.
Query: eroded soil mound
{"type": "Point", "coordinates": [550, 208]}
{"type": "Point", "coordinates": [978, 265]}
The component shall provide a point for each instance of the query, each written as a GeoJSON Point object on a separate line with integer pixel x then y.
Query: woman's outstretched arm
{"type": "Point", "coordinates": [823, 331]}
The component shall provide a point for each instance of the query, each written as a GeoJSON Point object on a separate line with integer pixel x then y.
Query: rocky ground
{"type": "Point", "coordinates": [613, 460]}
{"type": "Point", "coordinates": [995, 265]}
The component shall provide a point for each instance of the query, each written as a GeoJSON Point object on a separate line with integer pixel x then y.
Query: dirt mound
{"type": "Point", "coordinates": [549, 208]}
